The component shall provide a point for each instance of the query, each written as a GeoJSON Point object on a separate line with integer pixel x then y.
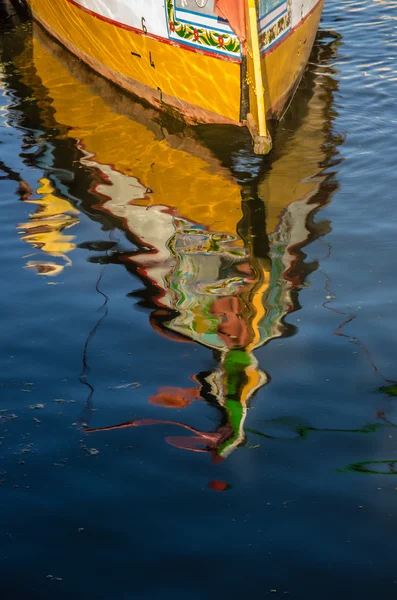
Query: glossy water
{"type": "Point", "coordinates": [198, 346]}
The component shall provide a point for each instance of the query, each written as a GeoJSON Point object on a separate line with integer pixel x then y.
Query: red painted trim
{"type": "Point", "coordinates": [151, 35]}
{"type": "Point", "coordinates": [291, 31]}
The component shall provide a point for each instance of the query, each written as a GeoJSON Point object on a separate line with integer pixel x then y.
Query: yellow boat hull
{"type": "Point", "coordinates": [200, 85]}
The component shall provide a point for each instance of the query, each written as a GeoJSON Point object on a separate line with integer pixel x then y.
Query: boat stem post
{"type": "Point", "coordinates": [256, 118]}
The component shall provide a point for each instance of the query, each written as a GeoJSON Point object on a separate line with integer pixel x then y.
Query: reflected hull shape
{"type": "Point", "coordinates": [187, 60]}
{"type": "Point", "coordinates": [221, 265]}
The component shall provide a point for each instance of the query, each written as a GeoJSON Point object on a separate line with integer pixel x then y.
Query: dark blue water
{"type": "Point", "coordinates": [199, 400]}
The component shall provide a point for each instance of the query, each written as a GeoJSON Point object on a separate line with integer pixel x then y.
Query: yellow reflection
{"type": "Point", "coordinates": [180, 173]}
{"type": "Point", "coordinates": [45, 229]}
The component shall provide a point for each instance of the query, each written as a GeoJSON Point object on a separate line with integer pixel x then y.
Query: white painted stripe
{"type": "Point", "coordinates": [273, 15]}
{"type": "Point", "coordinates": [203, 21]}
{"type": "Point", "coordinates": [300, 10]}
{"type": "Point", "coordinates": [131, 13]}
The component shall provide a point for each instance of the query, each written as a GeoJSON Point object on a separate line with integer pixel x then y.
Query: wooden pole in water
{"type": "Point", "coordinates": [256, 118]}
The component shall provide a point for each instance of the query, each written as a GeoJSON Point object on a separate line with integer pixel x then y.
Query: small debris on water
{"type": "Point", "coordinates": [80, 529]}
{"type": "Point", "coordinates": [134, 384]}
{"type": "Point", "coordinates": [53, 578]}
{"type": "Point", "coordinates": [36, 420]}
{"type": "Point", "coordinates": [91, 451]}
{"type": "Point", "coordinates": [62, 401]}
{"type": "Point", "coordinates": [5, 418]}
{"type": "Point", "coordinates": [35, 406]}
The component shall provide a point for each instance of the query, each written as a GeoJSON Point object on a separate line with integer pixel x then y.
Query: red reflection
{"type": "Point", "coordinates": [174, 397]}
{"type": "Point", "coordinates": [218, 486]}
{"type": "Point", "coordinates": [233, 328]}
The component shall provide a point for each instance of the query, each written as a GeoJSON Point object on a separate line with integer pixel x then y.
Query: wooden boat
{"type": "Point", "coordinates": [211, 61]}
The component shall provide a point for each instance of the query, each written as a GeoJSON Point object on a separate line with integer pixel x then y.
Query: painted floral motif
{"type": "Point", "coordinates": [268, 36]}
{"type": "Point", "coordinates": [208, 39]}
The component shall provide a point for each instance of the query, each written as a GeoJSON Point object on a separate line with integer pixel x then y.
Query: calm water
{"type": "Point", "coordinates": [198, 356]}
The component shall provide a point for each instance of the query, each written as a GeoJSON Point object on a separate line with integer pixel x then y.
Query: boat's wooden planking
{"type": "Point", "coordinates": [181, 56]}
{"type": "Point", "coordinates": [198, 84]}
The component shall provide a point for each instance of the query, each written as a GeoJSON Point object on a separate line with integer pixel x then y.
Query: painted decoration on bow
{"type": "Point", "coordinates": [194, 23]}
{"type": "Point", "coordinates": [274, 21]}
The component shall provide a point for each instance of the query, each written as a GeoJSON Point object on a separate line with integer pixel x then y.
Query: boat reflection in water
{"type": "Point", "coordinates": [214, 291]}
{"type": "Point", "coordinates": [45, 229]}
{"type": "Point", "coordinates": [218, 244]}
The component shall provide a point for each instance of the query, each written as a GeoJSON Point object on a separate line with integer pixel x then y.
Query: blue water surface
{"type": "Point", "coordinates": [281, 479]}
